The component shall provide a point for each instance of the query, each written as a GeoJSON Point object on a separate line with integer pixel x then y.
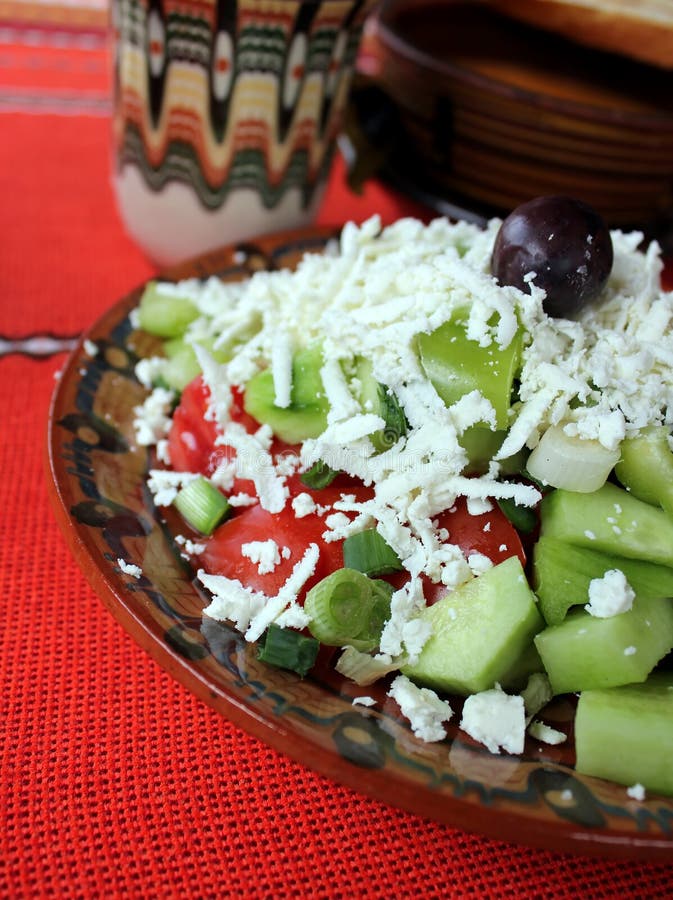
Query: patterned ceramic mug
{"type": "Point", "coordinates": [226, 115]}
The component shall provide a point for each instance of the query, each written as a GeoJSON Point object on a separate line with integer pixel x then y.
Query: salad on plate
{"type": "Point", "coordinates": [440, 455]}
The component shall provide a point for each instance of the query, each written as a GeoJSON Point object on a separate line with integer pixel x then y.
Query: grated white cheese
{"type": "Point", "coordinates": [231, 600]}
{"type": "Point", "coordinates": [342, 405]}
{"type": "Point", "coordinates": [191, 548]}
{"type": "Point", "coordinates": [241, 499]}
{"type": "Point", "coordinates": [424, 709]}
{"type": "Point", "coordinates": [147, 370]}
{"type": "Point", "coordinates": [404, 633]}
{"type": "Point", "coordinates": [364, 701]}
{"type": "Point", "coordinates": [152, 419]}
{"type": "Point", "coordinates": [253, 611]}
{"type": "Point", "coordinates": [610, 595]}
{"type": "Point", "coordinates": [636, 792]}
{"type": "Point", "coordinates": [287, 463]}
{"type": "Point", "coordinates": [476, 506]}
{"type": "Point", "coordinates": [163, 452]}
{"type": "Point", "coordinates": [303, 505]}
{"type": "Point", "coordinates": [254, 461]}
{"type": "Point", "coordinates": [264, 554]}
{"type": "Point", "coordinates": [219, 387]}
{"type": "Point", "coordinates": [281, 369]}
{"type": "Point", "coordinates": [164, 485]}
{"type": "Point", "coordinates": [129, 568]}
{"type": "Point", "coordinates": [479, 563]}
{"type": "Point", "coordinates": [545, 733]}
{"type": "Point", "coordinates": [495, 719]}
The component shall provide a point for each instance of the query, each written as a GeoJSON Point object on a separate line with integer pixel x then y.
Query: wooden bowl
{"type": "Point", "coordinates": [494, 112]}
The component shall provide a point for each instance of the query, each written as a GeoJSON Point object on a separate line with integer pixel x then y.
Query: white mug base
{"type": "Point", "coordinates": [171, 225]}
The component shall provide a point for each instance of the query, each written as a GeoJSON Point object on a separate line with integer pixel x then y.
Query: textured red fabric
{"type": "Point", "coordinates": [114, 780]}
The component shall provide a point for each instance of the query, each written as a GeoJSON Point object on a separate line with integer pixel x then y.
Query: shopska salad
{"type": "Point", "coordinates": [445, 452]}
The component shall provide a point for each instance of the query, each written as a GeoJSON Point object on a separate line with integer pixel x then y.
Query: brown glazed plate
{"type": "Point", "coordinates": [106, 512]}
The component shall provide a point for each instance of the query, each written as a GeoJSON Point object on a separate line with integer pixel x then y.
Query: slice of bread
{"type": "Point", "coordinates": [639, 29]}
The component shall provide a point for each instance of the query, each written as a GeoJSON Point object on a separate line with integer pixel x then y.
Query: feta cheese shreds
{"type": "Point", "coordinates": [424, 709]}
{"type": "Point", "coordinates": [264, 554]}
{"type": "Point", "coordinates": [252, 611]}
{"type": "Point", "coordinates": [281, 369]}
{"type": "Point", "coordinates": [495, 719]}
{"type": "Point", "coordinates": [129, 568]}
{"type": "Point", "coordinates": [164, 485]}
{"type": "Point", "coordinates": [404, 633]}
{"type": "Point", "coordinates": [152, 418]}
{"type": "Point", "coordinates": [191, 548]}
{"type": "Point", "coordinates": [303, 505]}
{"type": "Point", "coordinates": [241, 499]}
{"type": "Point", "coordinates": [231, 601]}
{"type": "Point", "coordinates": [610, 595]}
{"type": "Point", "coordinates": [636, 792]}
{"type": "Point", "coordinates": [254, 461]}
{"type": "Point", "coordinates": [545, 733]}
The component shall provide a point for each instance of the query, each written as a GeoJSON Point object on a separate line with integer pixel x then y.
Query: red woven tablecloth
{"type": "Point", "coordinates": [114, 780]}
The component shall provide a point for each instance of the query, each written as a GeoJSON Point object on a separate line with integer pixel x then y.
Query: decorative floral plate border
{"type": "Point", "coordinates": [106, 512]}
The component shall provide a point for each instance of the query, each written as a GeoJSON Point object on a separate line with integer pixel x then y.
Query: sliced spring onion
{"type": "Point", "coordinates": [165, 315]}
{"type": "Point", "coordinates": [348, 608]}
{"type": "Point", "coordinates": [319, 476]}
{"type": "Point", "coordinates": [369, 637]}
{"type": "Point", "coordinates": [364, 669]}
{"type": "Point", "coordinates": [396, 422]}
{"type": "Point", "coordinates": [339, 607]}
{"type": "Point", "coordinates": [571, 463]}
{"type": "Point", "coordinates": [202, 505]}
{"type": "Point", "coordinates": [369, 553]}
{"type": "Point", "coordinates": [523, 518]}
{"type": "Point", "coordinates": [288, 649]}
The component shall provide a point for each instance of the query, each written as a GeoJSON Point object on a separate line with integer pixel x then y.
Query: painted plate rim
{"type": "Point", "coordinates": [371, 750]}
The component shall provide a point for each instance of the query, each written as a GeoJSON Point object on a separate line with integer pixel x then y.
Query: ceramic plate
{"type": "Point", "coordinates": [107, 513]}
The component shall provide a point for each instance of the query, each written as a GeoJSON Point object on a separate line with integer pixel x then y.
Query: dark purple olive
{"type": "Point", "coordinates": [565, 242]}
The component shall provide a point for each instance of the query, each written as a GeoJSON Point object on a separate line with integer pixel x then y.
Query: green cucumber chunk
{"type": "Point", "coordinates": [181, 365]}
{"type": "Point", "coordinates": [610, 520]}
{"type": "Point", "coordinates": [479, 632]}
{"type": "Point", "coordinates": [526, 664]}
{"type": "Point", "coordinates": [202, 505]}
{"type": "Point", "coordinates": [646, 467]}
{"type": "Point", "coordinates": [481, 444]}
{"type": "Point", "coordinates": [625, 734]}
{"type": "Point", "coordinates": [562, 574]}
{"type": "Point", "coordinates": [165, 315]}
{"type": "Point", "coordinates": [457, 365]}
{"type": "Point", "coordinates": [586, 652]}
{"type": "Point", "coordinates": [306, 416]}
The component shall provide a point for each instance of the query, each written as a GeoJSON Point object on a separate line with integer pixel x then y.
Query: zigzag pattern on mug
{"type": "Point", "coordinates": [234, 93]}
{"type": "Point", "coordinates": [248, 168]}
